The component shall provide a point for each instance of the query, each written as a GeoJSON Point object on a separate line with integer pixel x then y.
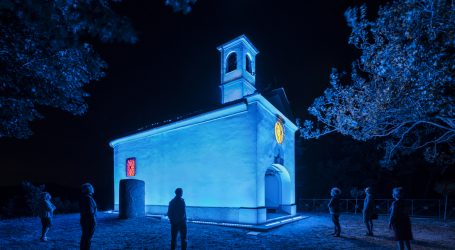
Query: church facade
{"type": "Point", "coordinates": [235, 163]}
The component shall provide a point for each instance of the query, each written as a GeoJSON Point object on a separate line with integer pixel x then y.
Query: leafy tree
{"type": "Point", "coordinates": [32, 197]}
{"type": "Point", "coordinates": [445, 188]}
{"type": "Point", "coordinates": [47, 56]}
{"type": "Point", "coordinates": [183, 6]}
{"type": "Point", "coordinates": [47, 59]}
{"type": "Point", "coordinates": [400, 91]}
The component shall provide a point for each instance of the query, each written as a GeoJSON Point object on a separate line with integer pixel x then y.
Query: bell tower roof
{"type": "Point", "coordinates": [239, 40]}
{"type": "Point", "coordinates": [238, 69]}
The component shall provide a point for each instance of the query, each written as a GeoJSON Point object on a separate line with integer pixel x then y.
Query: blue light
{"type": "Point", "coordinates": [219, 158]}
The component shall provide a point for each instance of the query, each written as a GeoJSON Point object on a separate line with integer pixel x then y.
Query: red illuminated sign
{"type": "Point", "coordinates": [131, 166]}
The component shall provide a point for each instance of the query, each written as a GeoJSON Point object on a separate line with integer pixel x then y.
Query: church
{"type": "Point", "coordinates": [235, 162]}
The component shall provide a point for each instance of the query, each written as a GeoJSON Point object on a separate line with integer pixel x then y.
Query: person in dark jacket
{"type": "Point", "coordinates": [177, 216]}
{"type": "Point", "coordinates": [45, 212]}
{"type": "Point", "coordinates": [399, 220]}
{"type": "Point", "coordinates": [87, 206]}
{"type": "Point", "coordinates": [335, 210]}
{"type": "Point", "coordinates": [368, 211]}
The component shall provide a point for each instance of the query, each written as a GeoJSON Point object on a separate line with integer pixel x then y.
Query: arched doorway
{"type": "Point", "coordinates": [277, 190]}
{"type": "Point", "coordinates": [272, 190]}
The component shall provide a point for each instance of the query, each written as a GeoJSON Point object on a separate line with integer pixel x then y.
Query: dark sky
{"type": "Point", "coordinates": [174, 69]}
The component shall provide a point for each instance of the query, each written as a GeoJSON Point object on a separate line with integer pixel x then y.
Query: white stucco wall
{"type": "Point", "coordinates": [266, 150]}
{"type": "Point", "coordinates": [214, 162]}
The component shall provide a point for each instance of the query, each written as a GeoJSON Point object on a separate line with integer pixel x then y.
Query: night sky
{"type": "Point", "coordinates": [174, 69]}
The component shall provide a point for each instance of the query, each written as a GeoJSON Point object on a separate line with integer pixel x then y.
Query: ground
{"type": "Point", "coordinates": [151, 233]}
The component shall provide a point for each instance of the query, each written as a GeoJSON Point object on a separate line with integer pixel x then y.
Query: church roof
{"type": "Point", "coordinates": [276, 97]}
{"type": "Point", "coordinates": [279, 99]}
{"type": "Point", "coordinates": [241, 39]}
{"type": "Point", "coordinates": [186, 116]}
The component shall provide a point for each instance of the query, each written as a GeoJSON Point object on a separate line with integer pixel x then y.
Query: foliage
{"type": "Point", "coordinates": [46, 56]}
{"type": "Point", "coordinates": [32, 197]}
{"type": "Point", "coordinates": [27, 201]}
{"type": "Point", "coordinates": [445, 187]}
{"type": "Point", "coordinates": [356, 192]}
{"type": "Point", "coordinates": [65, 206]}
{"type": "Point", "coordinates": [13, 207]}
{"type": "Point", "coordinates": [183, 6]}
{"type": "Point", "coordinates": [400, 91]}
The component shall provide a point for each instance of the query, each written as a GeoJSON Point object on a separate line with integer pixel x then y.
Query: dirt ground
{"type": "Point", "coordinates": [151, 233]}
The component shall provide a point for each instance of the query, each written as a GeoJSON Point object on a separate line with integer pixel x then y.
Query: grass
{"type": "Point", "coordinates": [152, 233]}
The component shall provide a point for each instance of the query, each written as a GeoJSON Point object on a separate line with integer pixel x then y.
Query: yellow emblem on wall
{"type": "Point", "coordinates": [279, 132]}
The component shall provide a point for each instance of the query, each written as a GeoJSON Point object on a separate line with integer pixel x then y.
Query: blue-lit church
{"type": "Point", "coordinates": [235, 162]}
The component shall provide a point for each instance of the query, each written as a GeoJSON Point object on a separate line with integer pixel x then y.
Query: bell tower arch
{"type": "Point", "coordinates": [238, 69]}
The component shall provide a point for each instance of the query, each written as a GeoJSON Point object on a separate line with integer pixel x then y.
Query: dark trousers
{"type": "Point", "coordinates": [369, 223]}
{"type": "Point", "coordinates": [402, 243]}
{"type": "Point", "coordinates": [87, 233]}
{"type": "Point", "coordinates": [336, 223]}
{"type": "Point", "coordinates": [175, 229]}
{"type": "Point", "coordinates": [46, 224]}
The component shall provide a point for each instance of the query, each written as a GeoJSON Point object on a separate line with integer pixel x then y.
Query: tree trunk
{"type": "Point", "coordinates": [445, 207]}
{"type": "Point", "coordinates": [355, 210]}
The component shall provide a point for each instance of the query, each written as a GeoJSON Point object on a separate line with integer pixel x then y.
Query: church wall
{"type": "Point", "coordinates": [289, 159]}
{"type": "Point", "coordinates": [219, 158]}
{"type": "Point", "coordinates": [213, 162]}
{"type": "Point", "coordinates": [268, 149]}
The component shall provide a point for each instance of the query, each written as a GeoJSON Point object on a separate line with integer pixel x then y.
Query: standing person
{"type": "Point", "coordinates": [46, 212]}
{"type": "Point", "coordinates": [334, 208]}
{"type": "Point", "coordinates": [399, 220]}
{"type": "Point", "coordinates": [177, 216]}
{"type": "Point", "coordinates": [368, 211]}
{"type": "Point", "coordinates": [87, 206]}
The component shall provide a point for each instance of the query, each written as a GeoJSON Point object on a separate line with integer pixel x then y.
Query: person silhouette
{"type": "Point", "coordinates": [177, 216]}
{"type": "Point", "coordinates": [399, 220]}
{"type": "Point", "coordinates": [368, 211]}
{"type": "Point", "coordinates": [335, 210]}
{"type": "Point", "coordinates": [45, 212]}
{"type": "Point", "coordinates": [88, 209]}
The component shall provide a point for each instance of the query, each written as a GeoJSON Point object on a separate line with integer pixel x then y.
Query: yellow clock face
{"type": "Point", "coordinates": [279, 132]}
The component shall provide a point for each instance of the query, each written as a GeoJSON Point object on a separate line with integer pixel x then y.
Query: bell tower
{"type": "Point", "coordinates": [238, 71]}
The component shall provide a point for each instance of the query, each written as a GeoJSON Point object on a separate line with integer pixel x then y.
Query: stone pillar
{"type": "Point", "coordinates": [132, 198]}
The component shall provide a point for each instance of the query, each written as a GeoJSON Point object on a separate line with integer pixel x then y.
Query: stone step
{"type": "Point", "coordinates": [269, 225]}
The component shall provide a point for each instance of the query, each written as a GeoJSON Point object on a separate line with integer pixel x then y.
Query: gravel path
{"type": "Point", "coordinates": [151, 233]}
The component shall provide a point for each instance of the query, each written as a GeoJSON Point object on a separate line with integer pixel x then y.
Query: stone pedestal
{"type": "Point", "coordinates": [132, 198]}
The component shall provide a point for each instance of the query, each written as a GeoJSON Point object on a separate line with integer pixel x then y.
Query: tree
{"type": "Point", "coordinates": [445, 188]}
{"type": "Point", "coordinates": [183, 6]}
{"type": "Point", "coordinates": [356, 193]}
{"type": "Point", "coordinates": [47, 59]}
{"type": "Point", "coordinates": [400, 91]}
{"type": "Point", "coordinates": [33, 196]}
{"type": "Point", "coordinates": [47, 56]}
